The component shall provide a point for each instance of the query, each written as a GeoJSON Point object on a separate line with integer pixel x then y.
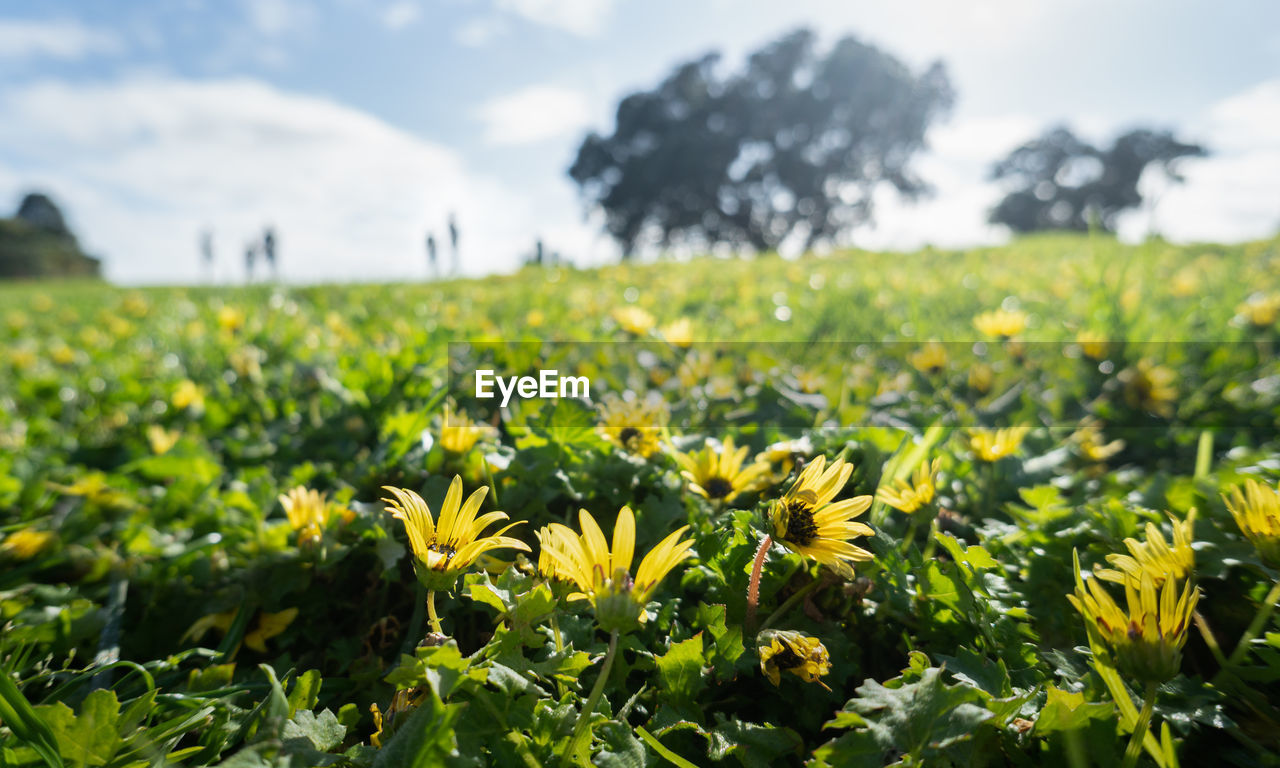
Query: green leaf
{"type": "Point", "coordinates": [322, 731]}
{"type": "Point", "coordinates": [755, 746]}
{"type": "Point", "coordinates": [425, 738]}
{"type": "Point", "coordinates": [680, 669]}
{"type": "Point", "coordinates": [922, 717]}
{"type": "Point", "coordinates": [975, 557]}
{"type": "Point", "coordinates": [306, 691]}
{"type": "Point", "coordinates": [25, 723]}
{"type": "Point", "coordinates": [89, 737]}
{"type": "Point", "coordinates": [621, 749]}
{"type": "Point", "coordinates": [1066, 711]}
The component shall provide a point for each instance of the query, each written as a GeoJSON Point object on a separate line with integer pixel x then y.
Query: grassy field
{"type": "Point", "coordinates": [167, 596]}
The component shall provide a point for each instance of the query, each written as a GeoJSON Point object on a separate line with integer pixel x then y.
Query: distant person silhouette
{"type": "Point", "coordinates": [453, 240]}
{"type": "Point", "coordinates": [250, 259]}
{"type": "Point", "coordinates": [431, 255]}
{"type": "Point", "coordinates": [269, 250]}
{"type": "Point", "coordinates": [539, 253]}
{"type": "Point", "coordinates": [206, 253]}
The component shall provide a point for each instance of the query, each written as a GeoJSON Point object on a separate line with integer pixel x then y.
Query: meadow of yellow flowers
{"type": "Point", "coordinates": [1011, 506]}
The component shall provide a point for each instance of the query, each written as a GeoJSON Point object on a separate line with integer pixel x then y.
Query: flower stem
{"type": "Point", "coordinates": [555, 630]}
{"type": "Point", "coordinates": [431, 612]}
{"type": "Point", "coordinates": [790, 603]}
{"type": "Point", "coordinates": [753, 586]}
{"type": "Point", "coordinates": [1140, 728]}
{"type": "Point", "coordinates": [1256, 626]}
{"type": "Point", "coordinates": [580, 729]}
{"type": "Point", "coordinates": [1207, 633]}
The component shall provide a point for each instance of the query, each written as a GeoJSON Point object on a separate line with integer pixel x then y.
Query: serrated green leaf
{"type": "Point", "coordinates": [680, 669]}
{"type": "Point", "coordinates": [1067, 711]}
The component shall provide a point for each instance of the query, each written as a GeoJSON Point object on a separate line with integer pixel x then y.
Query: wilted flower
{"type": "Point", "coordinates": [806, 521]}
{"type": "Point", "coordinates": [633, 320]}
{"type": "Point", "coordinates": [1257, 512]}
{"type": "Point", "coordinates": [26, 543]}
{"type": "Point", "coordinates": [442, 552]}
{"type": "Point", "coordinates": [910, 496]}
{"type": "Point", "coordinates": [995, 444]}
{"type": "Point", "coordinates": [1150, 387]}
{"type": "Point", "coordinates": [1155, 558]}
{"type": "Point", "coordinates": [1001, 323]}
{"type": "Point", "coordinates": [604, 577]}
{"type": "Point", "coordinates": [1147, 639]}
{"type": "Point", "coordinates": [719, 474]}
{"type": "Point", "coordinates": [786, 651]}
{"type": "Point", "coordinates": [633, 425]}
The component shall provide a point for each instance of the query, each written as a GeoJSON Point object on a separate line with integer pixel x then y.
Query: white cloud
{"type": "Point", "coordinates": [275, 17]}
{"type": "Point", "coordinates": [534, 114]}
{"type": "Point", "coordinates": [580, 17]}
{"type": "Point", "coordinates": [1232, 194]}
{"type": "Point", "coordinates": [61, 39]}
{"type": "Point", "coordinates": [400, 14]}
{"type": "Point", "coordinates": [142, 165]}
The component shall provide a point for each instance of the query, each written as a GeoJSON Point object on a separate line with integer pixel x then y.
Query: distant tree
{"type": "Point", "coordinates": [1060, 181]}
{"type": "Point", "coordinates": [37, 243]}
{"type": "Point", "coordinates": [796, 142]}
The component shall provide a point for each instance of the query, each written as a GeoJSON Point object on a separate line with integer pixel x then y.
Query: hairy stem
{"type": "Point", "coordinates": [431, 613]}
{"type": "Point", "coordinates": [753, 586]}
{"type": "Point", "coordinates": [580, 729]}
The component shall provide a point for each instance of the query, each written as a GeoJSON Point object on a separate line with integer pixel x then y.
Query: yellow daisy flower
{"type": "Point", "coordinates": [786, 651]}
{"type": "Point", "coordinates": [910, 496]}
{"type": "Point", "coordinates": [188, 395]}
{"type": "Point", "coordinates": [1001, 323]}
{"type": "Point", "coordinates": [1150, 387]}
{"type": "Point", "coordinates": [1257, 512]}
{"type": "Point", "coordinates": [1093, 344]}
{"type": "Point", "coordinates": [269, 625]}
{"type": "Point", "coordinates": [162, 440]}
{"type": "Point", "coordinates": [678, 333]}
{"type": "Point", "coordinates": [604, 576]}
{"type": "Point", "coordinates": [633, 320]}
{"type": "Point", "coordinates": [806, 521]}
{"type": "Point", "coordinates": [26, 543]}
{"type": "Point", "coordinates": [459, 434]}
{"type": "Point", "coordinates": [718, 474]}
{"type": "Point", "coordinates": [995, 444]}
{"type": "Point", "coordinates": [442, 552]}
{"type": "Point", "coordinates": [1260, 310]}
{"type": "Point", "coordinates": [309, 513]}
{"type": "Point", "coordinates": [1091, 443]}
{"type": "Point", "coordinates": [931, 358]}
{"type": "Point", "coordinates": [1147, 639]}
{"type": "Point", "coordinates": [633, 425]}
{"type": "Point", "coordinates": [1154, 558]}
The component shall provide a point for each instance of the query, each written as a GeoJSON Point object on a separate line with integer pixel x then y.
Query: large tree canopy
{"type": "Point", "coordinates": [1060, 181]}
{"type": "Point", "coordinates": [796, 142]}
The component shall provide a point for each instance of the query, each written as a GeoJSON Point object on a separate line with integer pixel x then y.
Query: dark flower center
{"type": "Point", "coordinates": [801, 529]}
{"type": "Point", "coordinates": [786, 658]}
{"type": "Point", "coordinates": [718, 487]}
{"type": "Point", "coordinates": [627, 435]}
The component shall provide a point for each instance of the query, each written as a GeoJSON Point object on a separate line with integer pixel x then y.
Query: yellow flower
{"type": "Point", "coordinates": [604, 577]}
{"type": "Point", "coordinates": [230, 319]}
{"type": "Point", "coordinates": [678, 333]}
{"type": "Point", "coordinates": [269, 625]}
{"type": "Point", "coordinates": [1150, 387]}
{"type": "Point", "coordinates": [1260, 310]}
{"type": "Point", "coordinates": [442, 552]}
{"type": "Point", "coordinates": [981, 377]}
{"type": "Point", "coordinates": [633, 425]}
{"type": "Point", "coordinates": [931, 358]}
{"type": "Point", "coordinates": [719, 474]}
{"type": "Point", "coordinates": [1147, 639]}
{"type": "Point", "coordinates": [219, 621]}
{"type": "Point", "coordinates": [787, 651]}
{"type": "Point", "coordinates": [1001, 323]}
{"type": "Point", "coordinates": [1155, 558]}
{"type": "Point", "coordinates": [995, 444]}
{"type": "Point", "coordinates": [909, 497]}
{"type": "Point", "coordinates": [161, 439]}
{"type": "Point", "coordinates": [308, 512]}
{"type": "Point", "coordinates": [188, 395]}
{"type": "Point", "coordinates": [783, 455]}
{"type": "Point", "coordinates": [1257, 512]}
{"type": "Point", "coordinates": [805, 521]}
{"type": "Point", "coordinates": [1090, 441]}
{"type": "Point", "coordinates": [26, 543]}
{"type": "Point", "coordinates": [1093, 344]}
{"type": "Point", "coordinates": [459, 434]}
{"type": "Point", "coordinates": [633, 320]}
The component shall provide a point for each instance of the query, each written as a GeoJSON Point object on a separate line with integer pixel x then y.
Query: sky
{"type": "Point", "coordinates": [354, 127]}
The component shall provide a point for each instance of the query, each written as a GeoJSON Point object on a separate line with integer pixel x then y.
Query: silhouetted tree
{"type": "Point", "coordinates": [795, 142]}
{"type": "Point", "coordinates": [1060, 181]}
{"type": "Point", "coordinates": [36, 242]}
